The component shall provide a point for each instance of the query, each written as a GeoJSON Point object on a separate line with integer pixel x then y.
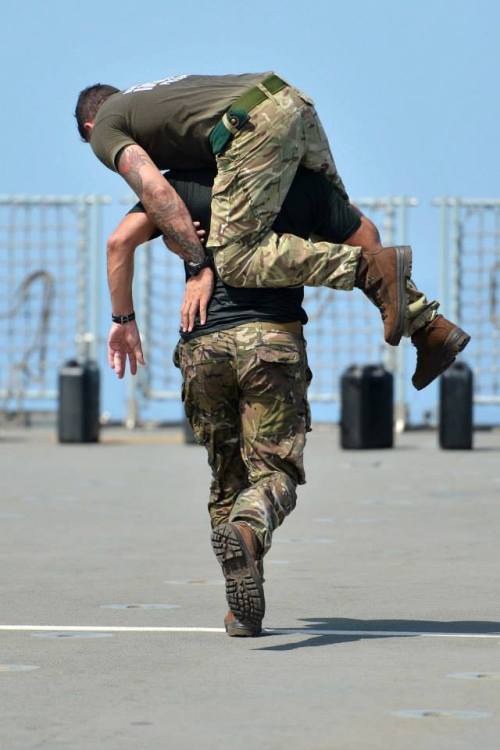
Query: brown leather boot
{"type": "Point", "coordinates": [382, 275]}
{"type": "Point", "coordinates": [236, 628]}
{"type": "Point", "coordinates": [238, 551]}
{"type": "Point", "coordinates": [437, 343]}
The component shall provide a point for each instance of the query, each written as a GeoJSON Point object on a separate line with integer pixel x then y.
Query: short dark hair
{"type": "Point", "coordinates": [88, 103]}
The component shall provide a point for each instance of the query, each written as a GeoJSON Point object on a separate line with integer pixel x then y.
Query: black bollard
{"type": "Point", "coordinates": [367, 409]}
{"type": "Point", "coordinates": [456, 407]}
{"type": "Point", "coordinates": [78, 412]}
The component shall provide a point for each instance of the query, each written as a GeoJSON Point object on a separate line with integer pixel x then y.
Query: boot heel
{"type": "Point", "coordinates": [244, 591]}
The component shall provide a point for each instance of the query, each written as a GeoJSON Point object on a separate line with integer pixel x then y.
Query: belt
{"type": "Point", "coordinates": [254, 96]}
{"type": "Point", "coordinates": [237, 114]}
{"type": "Point", "coordinates": [294, 327]}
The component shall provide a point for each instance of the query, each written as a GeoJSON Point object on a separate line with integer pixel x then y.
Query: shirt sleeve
{"type": "Point", "coordinates": [108, 137]}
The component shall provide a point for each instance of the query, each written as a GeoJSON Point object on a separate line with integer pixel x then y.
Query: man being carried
{"type": "Point", "coordinates": [256, 130]}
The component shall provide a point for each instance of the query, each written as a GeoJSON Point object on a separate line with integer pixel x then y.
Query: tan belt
{"type": "Point", "coordinates": [294, 327]}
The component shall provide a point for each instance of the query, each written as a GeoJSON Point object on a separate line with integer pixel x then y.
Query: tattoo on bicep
{"type": "Point", "coordinates": [131, 162]}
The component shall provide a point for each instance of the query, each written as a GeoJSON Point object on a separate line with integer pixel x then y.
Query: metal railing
{"type": "Point", "coordinates": [50, 291]}
{"type": "Point", "coordinates": [470, 284]}
{"type": "Point", "coordinates": [52, 282]}
{"type": "Point", "coordinates": [343, 329]}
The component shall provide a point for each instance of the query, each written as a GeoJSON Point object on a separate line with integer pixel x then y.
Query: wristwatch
{"type": "Point", "coordinates": [123, 318]}
{"type": "Point", "coordinates": [194, 269]}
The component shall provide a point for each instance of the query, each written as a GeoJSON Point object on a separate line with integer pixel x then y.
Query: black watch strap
{"type": "Point", "coordinates": [195, 268]}
{"type": "Point", "coordinates": [123, 318]}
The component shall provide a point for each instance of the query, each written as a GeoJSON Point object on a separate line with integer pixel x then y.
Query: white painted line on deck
{"type": "Point", "coordinates": [109, 629]}
{"type": "Point", "coordinates": [270, 631]}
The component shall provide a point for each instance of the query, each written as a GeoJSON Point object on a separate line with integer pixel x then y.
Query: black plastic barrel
{"type": "Point", "coordinates": [367, 409]}
{"type": "Point", "coordinates": [456, 390]}
{"type": "Point", "coordinates": [78, 412]}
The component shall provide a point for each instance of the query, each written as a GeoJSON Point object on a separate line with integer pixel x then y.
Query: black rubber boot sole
{"type": "Point", "coordinates": [455, 343]}
{"type": "Point", "coordinates": [244, 591]}
{"type": "Point", "coordinates": [403, 273]}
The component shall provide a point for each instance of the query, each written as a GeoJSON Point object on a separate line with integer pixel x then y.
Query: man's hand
{"type": "Point", "coordinates": [197, 295]}
{"type": "Point", "coordinates": [124, 341]}
{"type": "Point", "coordinates": [202, 235]}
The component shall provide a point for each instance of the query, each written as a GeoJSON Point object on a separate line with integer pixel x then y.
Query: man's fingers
{"type": "Point", "coordinates": [199, 231]}
{"type": "Point", "coordinates": [132, 362]}
{"type": "Point", "coordinates": [119, 364]}
{"type": "Point", "coordinates": [184, 315]}
{"type": "Point", "coordinates": [139, 355]}
{"type": "Point", "coordinates": [192, 314]}
{"type": "Point", "coordinates": [196, 298]}
{"type": "Point", "coordinates": [203, 309]}
{"type": "Point", "coordinates": [111, 361]}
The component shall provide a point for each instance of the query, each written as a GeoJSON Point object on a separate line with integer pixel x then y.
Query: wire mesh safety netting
{"type": "Point", "coordinates": [158, 292]}
{"type": "Point", "coordinates": [44, 293]}
{"type": "Point", "coordinates": [344, 327]}
{"type": "Point", "coordinates": [471, 265]}
{"type": "Point", "coordinates": [50, 282]}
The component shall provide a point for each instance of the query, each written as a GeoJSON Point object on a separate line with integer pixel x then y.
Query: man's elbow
{"type": "Point", "coordinates": [160, 197]}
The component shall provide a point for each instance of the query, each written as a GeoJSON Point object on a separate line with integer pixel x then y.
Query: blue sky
{"type": "Point", "coordinates": [407, 91]}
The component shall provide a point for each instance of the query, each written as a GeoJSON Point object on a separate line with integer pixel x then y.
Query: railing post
{"type": "Point", "coordinates": [455, 312]}
{"type": "Point", "coordinates": [400, 407]}
{"type": "Point", "coordinates": [94, 273]}
{"type": "Point", "coordinates": [443, 258]}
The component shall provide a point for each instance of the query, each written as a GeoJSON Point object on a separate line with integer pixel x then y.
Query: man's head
{"type": "Point", "coordinates": [88, 104]}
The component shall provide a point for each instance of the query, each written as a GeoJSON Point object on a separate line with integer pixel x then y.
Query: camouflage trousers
{"type": "Point", "coordinates": [254, 175]}
{"type": "Point", "coordinates": [244, 392]}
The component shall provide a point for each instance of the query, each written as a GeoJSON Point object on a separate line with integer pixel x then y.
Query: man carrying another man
{"type": "Point", "coordinates": [267, 131]}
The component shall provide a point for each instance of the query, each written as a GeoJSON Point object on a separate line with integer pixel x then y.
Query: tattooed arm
{"type": "Point", "coordinates": [163, 206]}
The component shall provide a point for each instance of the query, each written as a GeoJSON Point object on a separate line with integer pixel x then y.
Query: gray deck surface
{"type": "Point", "coordinates": [401, 541]}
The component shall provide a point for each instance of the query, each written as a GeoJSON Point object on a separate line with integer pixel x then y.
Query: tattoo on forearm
{"type": "Point", "coordinates": [131, 163]}
{"type": "Point", "coordinates": [164, 207]}
{"type": "Point", "coordinates": [191, 252]}
{"type": "Point", "coordinates": [163, 213]}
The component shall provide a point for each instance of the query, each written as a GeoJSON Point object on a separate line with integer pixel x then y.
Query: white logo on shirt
{"type": "Point", "coordinates": [153, 84]}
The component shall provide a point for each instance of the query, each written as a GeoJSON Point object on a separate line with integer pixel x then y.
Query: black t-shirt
{"type": "Point", "coordinates": [313, 206]}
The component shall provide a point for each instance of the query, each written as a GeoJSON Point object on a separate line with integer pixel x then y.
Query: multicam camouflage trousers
{"type": "Point", "coordinates": [254, 175]}
{"type": "Point", "coordinates": [244, 392]}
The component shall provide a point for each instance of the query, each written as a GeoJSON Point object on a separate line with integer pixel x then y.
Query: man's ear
{"type": "Point", "coordinates": [88, 128]}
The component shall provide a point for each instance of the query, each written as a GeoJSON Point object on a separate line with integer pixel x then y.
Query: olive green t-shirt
{"type": "Point", "coordinates": [171, 119]}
